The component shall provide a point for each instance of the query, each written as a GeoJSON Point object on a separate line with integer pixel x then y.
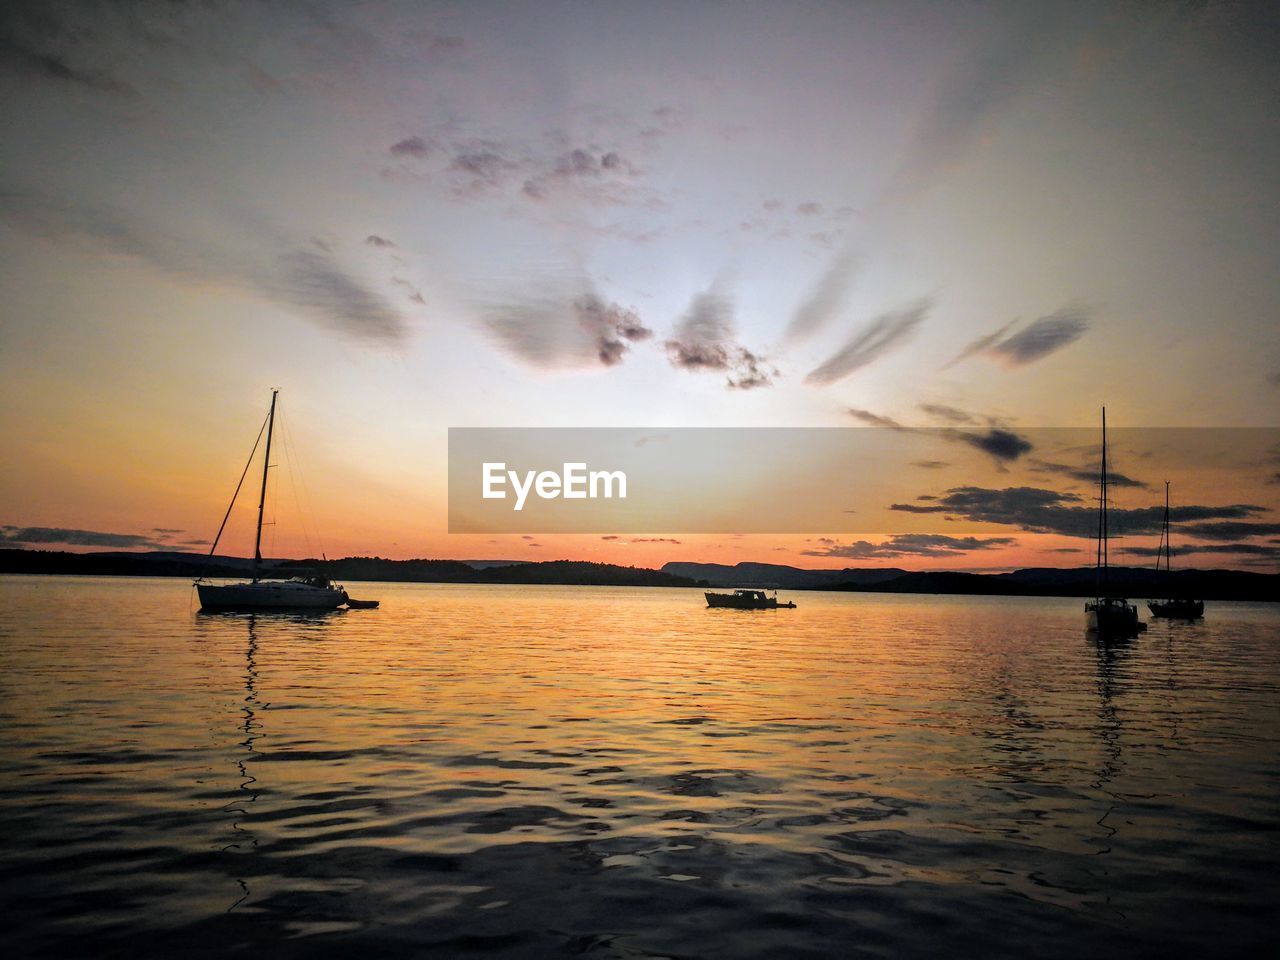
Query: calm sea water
{"type": "Point", "coordinates": [563, 771]}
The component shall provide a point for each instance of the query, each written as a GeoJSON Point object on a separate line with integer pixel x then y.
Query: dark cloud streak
{"type": "Point", "coordinates": [909, 545]}
{"type": "Point", "coordinates": [883, 335]}
{"type": "Point", "coordinates": [1037, 510]}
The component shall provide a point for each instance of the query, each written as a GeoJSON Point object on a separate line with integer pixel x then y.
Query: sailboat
{"type": "Point", "coordinates": [261, 592]}
{"type": "Point", "coordinates": [1107, 616]}
{"type": "Point", "coordinates": [1172, 608]}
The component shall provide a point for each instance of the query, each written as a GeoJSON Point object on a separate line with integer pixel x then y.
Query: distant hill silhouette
{"type": "Point", "coordinates": [778, 575]}
{"type": "Point", "coordinates": [168, 564]}
{"type": "Point", "coordinates": [1136, 583]}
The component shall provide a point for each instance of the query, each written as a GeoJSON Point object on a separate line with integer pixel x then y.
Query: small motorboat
{"type": "Point", "coordinates": [747, 600]}
{"type": "Point", "coordinates": [354, 604]}
{"type": "Point", "coordinates": [1177, 608]}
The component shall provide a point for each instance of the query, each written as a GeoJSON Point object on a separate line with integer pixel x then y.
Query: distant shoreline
{"type": "Point", "coordinates": [1041, 581]}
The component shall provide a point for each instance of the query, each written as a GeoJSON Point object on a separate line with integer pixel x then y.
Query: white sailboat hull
{"type": "Point", "coordinates": [269, 595]}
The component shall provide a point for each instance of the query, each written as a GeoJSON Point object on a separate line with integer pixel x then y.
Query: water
{"type": "Point", "coordinates": [563, 771]}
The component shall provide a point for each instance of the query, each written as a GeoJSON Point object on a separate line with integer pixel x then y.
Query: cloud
{"type": "Point", "coordinates": [374, 240]}
{"type": "Point", "coordinates": [999, 443]}
{"type": "Point", "coordinates": [411, 147]}
{"type": "Point", "coordinates": [930, 464]}
{"type": "Point", "coordinates": [1037, 510]}
{"type": "Point", "coordinates": [479, 169]}
{"type": "Point", "coordinates": [30, 62]}
{"type": "Point", "coordinates": [826, 299]}
{"type": "Point", "coordinates": [909, 545]}
{"type": "Point", "coordinates": [884, 334]}
{"type": "Point", "coordinates": [1246, 549]}
{"type": "Point", "coordinates": [568, 327]}
{"type": "Point", "coordinates": [809, 209]}
{"type": "Point", "coordinates": [1042, 337]}
{"type": "Point", "coordinates": [1034, 342]}
{"type": "Point", "coordinates": [79, 538]}
{"type": "Point", "coordinates": [703, 340]}
{"type": "Point", "coordinates": [316, 283]}
{"type": "Point", "coordinates": [654, 540]}
{"type": "Point", "coordinates": [1087, 474]}
{"type": "Point", "coordinates": [941, 411]}
{"type": "Point", "coordinates": [536, 172]}
{"type": "Point", "coordinates": [981, 345]}
{"type": "Point", "coordinates": [610, 537]}
{"type": "Point", "coordinates": [610, 326]}
{"type": "Point", "coordinates": [875, 419]}
{"type": "Point", "coordinates": [967, 101]}
{"type": "Point", "coordinates": [307, 279]}
{"type": "Point", "coordinates": [1223, 529]}
{"type": "Point", "coordinates": [582, 166]}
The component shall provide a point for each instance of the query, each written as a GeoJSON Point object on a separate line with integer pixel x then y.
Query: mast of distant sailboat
{"type": "Point", "coordinates": [1102, 559]}
{"type": "Point", "coordinates": [1162, 551]}
{"type": "Point", "coordinates": [262, 497]}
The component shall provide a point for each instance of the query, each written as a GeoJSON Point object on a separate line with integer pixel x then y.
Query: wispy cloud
{"type": "Point", "coordinates": [315, 282]}
{"type": "Point", "coordinates": [1001, 443]}
{"type": "Point", "coordinates": [940, 411]}
{"type": "Point", "coordinates": [65, 536]}
{"type": "Point", "coordinates": [981, 345]}
{"type": "Point", "coordinates": [827, 298]}
{"type": "Point", "coordinates": [1223, 529]}
{"type": "Point", "coordinates": [875, 419]}
{"type": "Point", "coordinates": [884, 334]}
{"type": "Point", "coordinates": [35, 63]}
{"type": "Point", "coordinates": [1087, 473]}
{"type": "Point", "coordinates": [1042, 337]}
{"type": "Point", "coordinates": [909, 545]}
{"type": "Point", "coordinates": [306, 278]}
{"type": "Point", "coordinates": [1190, 549]}
{"type": "Point", "coordinates": [566, 326]}
{"type": "Point", "coordinates": [1033, 342]}
{"type": "Point", "coordinates": [967, 101]}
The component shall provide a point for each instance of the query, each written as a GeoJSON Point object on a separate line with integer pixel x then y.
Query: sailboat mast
{"type": "Point", "coordinates": [1102, 510]}
{"type": "Point", "coordinates": [262, 496]}
{"type": "Point", "coordinates": [1168, 553]}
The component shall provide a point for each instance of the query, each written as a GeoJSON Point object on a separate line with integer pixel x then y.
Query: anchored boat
{"type": "Point", "coordinates": [1172, 608]}
{"type": "Point", "coordinates": [1109, 617]}
{"type": "Point", "coordinates": [747, 600]}
{"type": "Point", "coordinates": [300, 592]}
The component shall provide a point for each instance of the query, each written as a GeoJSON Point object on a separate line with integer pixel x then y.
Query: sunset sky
{"type": "Point", "coordinates": [988, 218]}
